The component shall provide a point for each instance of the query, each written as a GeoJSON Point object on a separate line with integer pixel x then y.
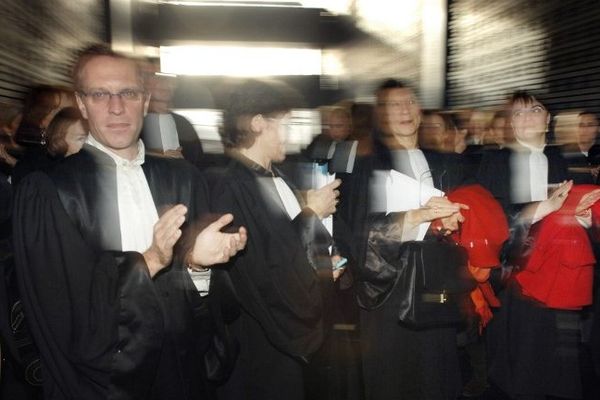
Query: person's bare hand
{"type": "Point", "coordinates": [165, 235]}
{"type": "Point", "coordinates": [594, 171]}
{"type": "Point", "coordinates": [558, 196]}
{"type": "Point", "coordinates": [587, 200]}
{"type": "Point", "coordinates": [215, 247]}
{"type": "Point", "coordinates": [452, 222]}
{"type": "Point", "coordinates": [323, 201]}
{"type": "Point", "coordinates": [337, 272]}
{"type": "Point", "coordinates": [539, 210]}
{"type": "Point", "coordinates": [435, 208]}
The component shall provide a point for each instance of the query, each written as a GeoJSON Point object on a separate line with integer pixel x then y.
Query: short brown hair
{"type": "Point", "coordinates": [253, 97]}
{"type": "Point", "coordinates": [41, 101]}
{"type": "Point", "coordinates": [57, 130]}
{"type": "Point", "coordinates": [9, 112]}
{"type": "Point", "coordinates": [99, 50]}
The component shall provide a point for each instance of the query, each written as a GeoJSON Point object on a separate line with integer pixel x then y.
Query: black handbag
{"type": "Point", "coordinates": [433, 279]}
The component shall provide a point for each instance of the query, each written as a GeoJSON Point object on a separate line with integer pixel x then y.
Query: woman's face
{"type": "Point", "coordinates": [529, 121]}
{"type": "Point", "coordinates": [75, 138]}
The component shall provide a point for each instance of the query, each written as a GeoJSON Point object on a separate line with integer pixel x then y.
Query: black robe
{"type": "Point", "coordinates": [103, 327]}
{"type": "Point", "coordinates": [398, 362]}
{"type": "Point", "coordinates": [495, 173]}
{"type": "Point", "coordinates": [579, 164]}
{"type": "Point", "coordinates": [373, 284]}
{"type": "Point", "coordinates": [272, 284]}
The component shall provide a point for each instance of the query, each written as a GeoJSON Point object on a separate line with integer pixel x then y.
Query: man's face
{"type": "Point", "coordinates": [115, 120]}
{"type": "Point", "coordinates": [338, 127]}
{"type": "Point", "coordinates": [398, 112]}
{"type": "Point", "coordinates": [588, 129]}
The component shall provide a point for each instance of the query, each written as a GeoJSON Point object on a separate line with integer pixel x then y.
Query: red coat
{"type": "Point", "coordinates": [559, 271]}
{"type": "Point", "coordinates": [482, 233]}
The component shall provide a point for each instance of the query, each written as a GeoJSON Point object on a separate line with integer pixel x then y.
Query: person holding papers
{"type": "Point", "coordinates": [391, 198]}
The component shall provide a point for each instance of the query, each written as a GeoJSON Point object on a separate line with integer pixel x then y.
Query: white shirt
{"type": "Point", "coordinates": [529, 174]}
{"type": "Point", "coordinates": [289, 200]}
{"type": "Point", "coordinates": [137, 212]}
{"type": "Point", "coordinates": [412, 163]}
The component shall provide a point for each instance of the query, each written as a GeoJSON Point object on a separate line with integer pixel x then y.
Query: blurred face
{"type": "Point", "coordinates": [497, 130]}
{"type": "Point", "coordinates": [75, 138]}
{"type": "Point", "coordinates": [113, 102]}
{"type": "Point", "coordinates": [162, 91]}
{"type": "Point", "coordinates": [273, 137]}
{"type": "Point", "coordinates": [477, 124]}
{"type": "Point", "coordinates": [588, 129]}
{"type": "Point", "coordinates": [433, 132]}
{"type": "Point", "coordinates": [338, 127]}
{"type": "Point", "coordinates": [398, 112]}
{"type": "Point", "coordinates": [529, 122]}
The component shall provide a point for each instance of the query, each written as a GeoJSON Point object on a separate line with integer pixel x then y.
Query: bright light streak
{"type": "Point", "coordinates": [241, 61]}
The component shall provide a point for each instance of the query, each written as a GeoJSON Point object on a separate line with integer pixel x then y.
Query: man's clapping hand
{"type": "Point", "coordinates": [215, 247]}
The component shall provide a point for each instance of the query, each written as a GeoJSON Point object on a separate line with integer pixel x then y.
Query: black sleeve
{"type": "Point", "coordinates": [315, 239]}
{"type": "Point", "coordinates": [272, 277]}
{"type": "Point", "coordinates": [94, 317]}
{"type": "Point", "coordinates": [5, 199]}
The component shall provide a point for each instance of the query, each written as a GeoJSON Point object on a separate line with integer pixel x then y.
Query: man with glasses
{"type": "Point", "coordinates": [104, 248]}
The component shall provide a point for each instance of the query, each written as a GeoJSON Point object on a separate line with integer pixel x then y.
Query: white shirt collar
{"type": "Point", "coordinates": [138, 160]}
{"type": "Point", "coordinates": [533, 149]}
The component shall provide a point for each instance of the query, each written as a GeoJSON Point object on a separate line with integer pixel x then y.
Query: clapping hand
{"type": "Point", "coordinates": [215, 247]}
{"type": "Point", "coordinates": [587, 200]}
{"type": "Point", "coordinates": [166, 233]}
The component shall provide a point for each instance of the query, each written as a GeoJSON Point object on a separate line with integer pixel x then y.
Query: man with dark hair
{"type": "Point", "coordinates": [581, 152]}
{"type": "Point", "coordinates": [101, 267]}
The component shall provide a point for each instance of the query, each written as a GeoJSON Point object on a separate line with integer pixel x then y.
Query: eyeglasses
{"type": "Point", "coordinates": [104, 96]}
{"type": "Point", "coordinates": [536, 110]}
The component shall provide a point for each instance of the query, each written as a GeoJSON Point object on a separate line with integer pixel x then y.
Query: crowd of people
{"type": "Point", "coordinates": [458, 249]}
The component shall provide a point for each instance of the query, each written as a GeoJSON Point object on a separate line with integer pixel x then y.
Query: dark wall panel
{"type": "Point", "coordinates": [39, 39]}
{"type": "Point", "coordinates": [549, 46]}
{"type": "Point", "coordinates": [255, 24]}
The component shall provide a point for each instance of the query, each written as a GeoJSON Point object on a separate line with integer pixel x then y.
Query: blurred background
{"type": "Point", "coordinates": [459, 54]}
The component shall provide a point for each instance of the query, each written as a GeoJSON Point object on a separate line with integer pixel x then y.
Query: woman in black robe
{"type": "Point", "coordinates": [533, 349]}
{"type": "Point", "coordinates": [399, 361]}
{"type": "Point", "coordinates": [271, 292]}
